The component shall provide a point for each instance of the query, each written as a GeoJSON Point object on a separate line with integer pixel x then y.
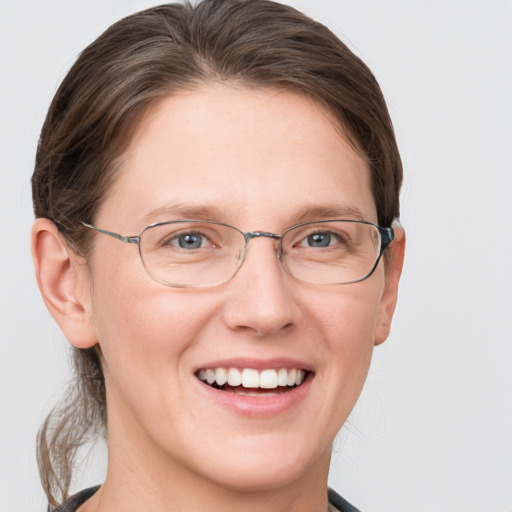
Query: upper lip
{"type": "Point", "coordinates": [256, 363]}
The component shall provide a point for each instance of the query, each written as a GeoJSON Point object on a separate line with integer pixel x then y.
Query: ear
{"type": "Point", "coordinates": [393, 269]}
{"type": "Point", "coordinates": [63, 279]}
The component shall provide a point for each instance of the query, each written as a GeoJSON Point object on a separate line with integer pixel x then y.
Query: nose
{"type": "Point", "coordinates": [260, 298]}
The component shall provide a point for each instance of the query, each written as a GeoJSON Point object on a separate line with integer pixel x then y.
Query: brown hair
{"type": "Point", "coordinates": [139, 61]}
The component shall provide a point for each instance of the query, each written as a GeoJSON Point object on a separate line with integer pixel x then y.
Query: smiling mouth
{"type": "Point", "coordinates": [251, 382]}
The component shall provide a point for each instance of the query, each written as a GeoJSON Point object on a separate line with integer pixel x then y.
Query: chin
{"type": "Point", "coordinates": [260, 478]}
{"type": "Point", "coordinates": [258, 464]}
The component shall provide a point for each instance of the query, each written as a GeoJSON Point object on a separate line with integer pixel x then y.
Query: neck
{"type": "Point", "coordinates": [115, 496]}
{"type": "Point", "coordinates": [135, 482]}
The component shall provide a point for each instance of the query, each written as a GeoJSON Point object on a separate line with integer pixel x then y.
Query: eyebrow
{"type": "Point", "coordinates": [208, 212]}
{"type": "Point", "coordinates": [184, 211]}
{"type": "Point", "coordinates": [310, 213]}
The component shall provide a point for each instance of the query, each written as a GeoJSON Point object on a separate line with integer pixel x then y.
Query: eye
{"type": "Point", "coordinates": [190, 240]}
{"type": "Point", "coordinates": [320, 239]}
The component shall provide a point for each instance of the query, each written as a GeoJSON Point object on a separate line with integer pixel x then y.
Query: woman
{"type": "Point", "coordinates": [250, 157]}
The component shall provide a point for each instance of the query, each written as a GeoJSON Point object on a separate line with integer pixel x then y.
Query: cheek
{"type": "Point", "coordinates": [348, 314]}
{"type": "Point", "coordinates": [141, 324]}
{"type": "Point", "coordinates": [350, 348]}
{"type": "Point", "coordinates": [147, 324]}
{"type": "Point", "coordinates": [348, 317]}
{"type": "Point", "coordinates": [147, 334]}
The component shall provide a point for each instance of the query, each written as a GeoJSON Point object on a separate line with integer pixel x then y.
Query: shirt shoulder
{"type": "Point", "coordinates": [72, 504]}
{"type": "Point", "coordinates": [340, 504]}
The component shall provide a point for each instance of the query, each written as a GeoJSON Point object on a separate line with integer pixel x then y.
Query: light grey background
{"type": "Point", "coordinates": [433, 428]}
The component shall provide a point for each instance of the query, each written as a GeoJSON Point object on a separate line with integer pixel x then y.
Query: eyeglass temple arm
{"type": "Point", "coordinates": [124, 239]}
{"type": "Point", "coordinates": [387, 235]}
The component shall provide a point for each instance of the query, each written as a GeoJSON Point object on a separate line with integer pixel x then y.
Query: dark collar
{"type": "Point", "coordinates": [80, 498]}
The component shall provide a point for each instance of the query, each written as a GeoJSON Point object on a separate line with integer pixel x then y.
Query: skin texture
{"type": "Point", "coordinates": [256, 160]}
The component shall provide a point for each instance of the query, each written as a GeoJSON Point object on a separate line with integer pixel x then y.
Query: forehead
{"type": "Point", "coordinates": [244, 154]}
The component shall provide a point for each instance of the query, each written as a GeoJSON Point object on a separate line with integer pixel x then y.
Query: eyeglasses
{"type": "Point", "coordinates": [197, 253]}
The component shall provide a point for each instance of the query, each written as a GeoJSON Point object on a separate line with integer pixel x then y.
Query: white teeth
{"type": "Point", "coordinates": [234, 377]}
{"type": "Point", "coordinates": [221, 376]}
{"type": "Point", "coordinates": [268, 379]}
{"type": "Point", "coordinates": [251, 378]}
{"type": "Point", "coordinates": [210, 376]}
{"type": "Point", "coordinates": [282, 377]}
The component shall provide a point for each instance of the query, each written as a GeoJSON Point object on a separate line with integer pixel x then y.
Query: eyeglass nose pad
{"type": "Point", "coordinates": [279, 250]}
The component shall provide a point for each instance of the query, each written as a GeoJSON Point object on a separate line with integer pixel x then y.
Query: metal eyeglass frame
{"type": "Point", "coordinates": [386, 237]}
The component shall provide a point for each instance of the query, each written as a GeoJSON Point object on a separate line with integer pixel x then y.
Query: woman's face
{"type": "Point", "coordinates": [259, 160]}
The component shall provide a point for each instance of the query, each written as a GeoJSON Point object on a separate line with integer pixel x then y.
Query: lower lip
{"type": "Point", "coordinates": [258, 406]}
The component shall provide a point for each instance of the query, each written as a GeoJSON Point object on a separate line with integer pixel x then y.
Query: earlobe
{"type": "Point", "coordinates": [63, 282]}
{"type": "Point", "coordinates": [393, 270]}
